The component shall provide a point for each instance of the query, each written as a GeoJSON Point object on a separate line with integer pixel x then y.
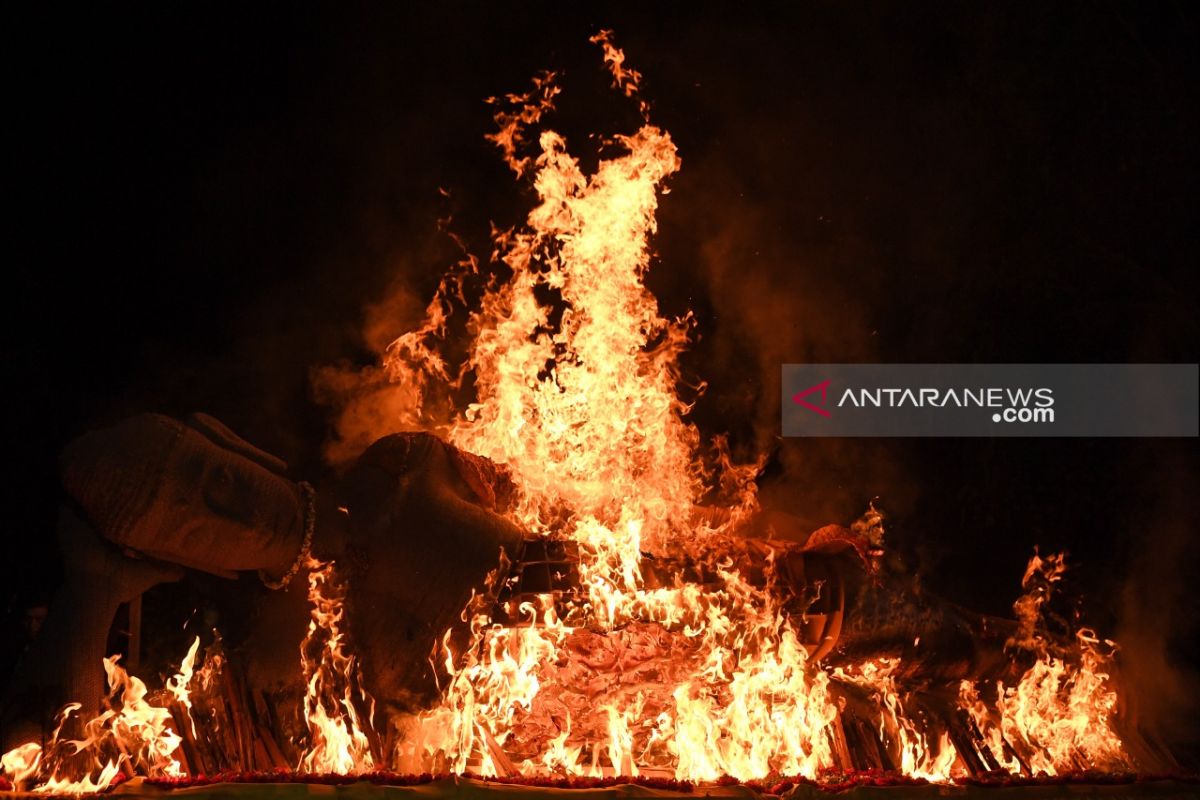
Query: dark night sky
{"type": "Point", "coordinates": [209, 197]}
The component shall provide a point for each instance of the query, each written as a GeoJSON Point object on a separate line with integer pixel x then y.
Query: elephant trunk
{"type": "Point", "coordinates": [63, 664]}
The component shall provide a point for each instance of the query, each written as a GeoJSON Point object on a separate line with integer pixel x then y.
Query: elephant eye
{"type": "Point", "coordinates": [226, 495]}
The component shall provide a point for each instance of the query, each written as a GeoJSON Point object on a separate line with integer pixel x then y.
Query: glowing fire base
{"type": "Point", "coordinates": [459, 788]}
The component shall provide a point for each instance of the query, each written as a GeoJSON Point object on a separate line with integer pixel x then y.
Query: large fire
{"type": "Point", "coordinates": [576, 380]}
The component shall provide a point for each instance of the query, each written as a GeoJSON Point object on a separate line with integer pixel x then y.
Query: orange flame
{"type": "Point", "coordinates": [337, 708]}
{"type": "Point", "coordinates": [131, 734]}
{"type": "Point", "coordinates": [578, 397]}
{"type": "Point", "coordinates": [917, 759]}
{"type": "Point", "coordinates": [1063, 715]}
{"type": "Point", "coordinates": [576, 377]}
{"type": "Point", "coordinates": [178, 684]}
{"type": "Point", "coordinates": [1059, 715]}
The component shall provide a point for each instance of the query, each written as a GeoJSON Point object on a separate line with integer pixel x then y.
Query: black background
{"type": "Point", "coordinates": [212, 200]}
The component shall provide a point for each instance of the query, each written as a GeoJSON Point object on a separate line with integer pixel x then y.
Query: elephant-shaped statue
{"type": "Point", "coordinates": [153, 496]}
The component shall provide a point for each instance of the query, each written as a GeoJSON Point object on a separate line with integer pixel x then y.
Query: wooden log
{"type": "Point", "coordinates": [970, 749]}
{"type": "Point", "coordinates": [237, 719]}
{"type": "Point", "coordinates": [265, 728]}
{"type": "Point", "coordinates": [236, 690]}
{"type": "Point", "coordinates": [841, 750]}
{"type": "Point", "coordinates": [870, 749]}
{"type": "Point", "coordinates": [983, 753]}
{"type": "Point", "coordinates": [181, 718]}
{"type": "Point", "coordinates": [504, 765]}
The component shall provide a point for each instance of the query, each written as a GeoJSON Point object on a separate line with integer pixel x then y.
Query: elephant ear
{"type": "Point", "coordinates": [217, 433]}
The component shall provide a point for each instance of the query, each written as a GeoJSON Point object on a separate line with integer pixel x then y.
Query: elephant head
{"type": "Point", "coordinates": [423, 530]}
{"type": "Point", "coordinates": [144, 499]}
{"type": "Point", "coordinates": [414, 524]}
{"type": "Point", "coordinates": [190, 493]}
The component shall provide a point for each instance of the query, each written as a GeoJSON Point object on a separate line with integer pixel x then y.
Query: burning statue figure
{"type": "Point", "coordinates": [555, 578]}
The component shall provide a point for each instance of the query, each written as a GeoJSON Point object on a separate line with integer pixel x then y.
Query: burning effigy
{"type": "Point", "coordinates": [556, 580]}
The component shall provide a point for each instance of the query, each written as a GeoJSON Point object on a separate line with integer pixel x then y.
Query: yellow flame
{"type": "Point", "coordinates": [337, 708]}
{"type": "Point", "coordinates": [130, 733]}
{"type": "Point", "coordinates": [178, 683]}
{"type": "Point", "coordinates": [1058, 717]}
{"type": "Point", "coordinates": [578, 396]}
{"type": "Point", "coordinates": [917, 758]}
{"type": "Point", "coordinates": [987, 727]}
{"type": "Point", "coordinates": [1064, 714]}
{"type": "Point", "coordinates": [576, 379]}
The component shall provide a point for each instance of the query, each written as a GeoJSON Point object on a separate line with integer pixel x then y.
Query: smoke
{"type": "Point", "coordinates": [1157, 619]}
{"type": "Point", "coordinates": [366, 403]}
{"type": "Point", "coordinates": [775, 284]}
